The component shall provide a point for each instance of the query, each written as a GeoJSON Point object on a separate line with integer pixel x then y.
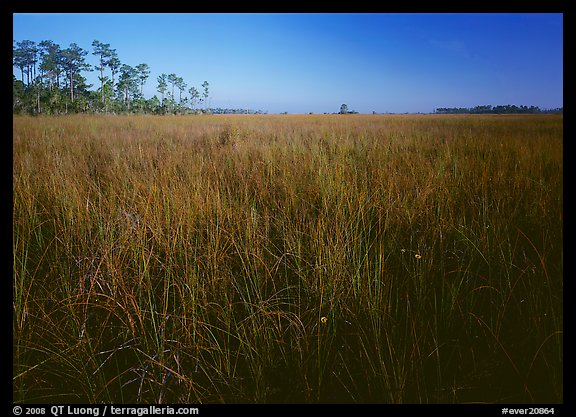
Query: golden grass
{"type": "Point", "coordinates": [264, 258]}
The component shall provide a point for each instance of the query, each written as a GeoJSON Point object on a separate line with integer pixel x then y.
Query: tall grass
{"type": "Point", "coordinates": [390, 259]}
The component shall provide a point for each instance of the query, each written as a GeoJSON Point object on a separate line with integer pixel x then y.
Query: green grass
{"type": "Point", "coordinates": [191, 259]}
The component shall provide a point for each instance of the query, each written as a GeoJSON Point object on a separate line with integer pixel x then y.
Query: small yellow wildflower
{"type": "Point", "coordinates": [323, 319]}
{"type": "Point", "coordinates": [418, 256]}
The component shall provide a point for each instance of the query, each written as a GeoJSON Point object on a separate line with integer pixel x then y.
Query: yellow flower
{"type": "Point", "coordinates": [323, 319]}
{"type": "Point", "coordinates": [417, 256]}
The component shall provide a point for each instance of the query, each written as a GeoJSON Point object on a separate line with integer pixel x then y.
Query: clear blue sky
{"type": "Point", "coordinates": [303, 63]}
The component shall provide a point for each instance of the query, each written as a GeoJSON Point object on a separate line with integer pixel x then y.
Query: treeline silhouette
{"type": "Point", "coordinates": [506, 109]}
{"type": "Point", "coordinates": [51, 81]}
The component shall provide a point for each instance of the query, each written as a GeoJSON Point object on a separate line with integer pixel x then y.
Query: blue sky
{"type": "Point", "coordinates": [302, 63]}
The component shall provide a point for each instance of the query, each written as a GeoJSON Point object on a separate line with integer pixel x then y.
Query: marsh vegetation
{"type": "Point", "coordinates": [268, 258]}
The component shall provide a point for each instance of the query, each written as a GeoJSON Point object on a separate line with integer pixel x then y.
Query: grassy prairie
{"type": "Point", "coordinates": [264, 258]}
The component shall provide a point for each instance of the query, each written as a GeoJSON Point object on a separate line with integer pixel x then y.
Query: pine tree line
{"type": "Point", "coordinates": [52, 82]}
{"type": "Point", "coordinates": [502, 109]}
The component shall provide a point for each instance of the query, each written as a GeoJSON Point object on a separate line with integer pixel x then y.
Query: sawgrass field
{"type": "Point", "coordinates": [288, 259]}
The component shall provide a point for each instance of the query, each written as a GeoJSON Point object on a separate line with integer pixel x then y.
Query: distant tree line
{"type": "Point", "coordinates": [52, 82]}
{"type": "Point", "coordinates": [219, 110]}
{"type": "Point", "coordinates": [507, 109]}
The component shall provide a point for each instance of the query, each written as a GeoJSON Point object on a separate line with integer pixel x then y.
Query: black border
{"type": "Point", "coordinates": [7, 8]}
